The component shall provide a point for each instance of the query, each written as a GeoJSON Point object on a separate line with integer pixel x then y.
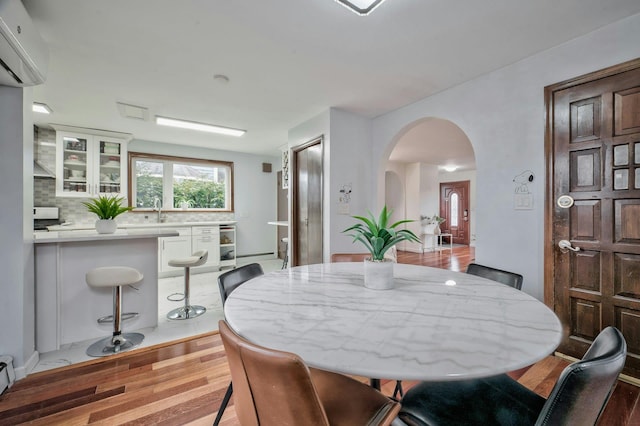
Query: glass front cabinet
{"type": "Point", "coordinates": [90, 165]}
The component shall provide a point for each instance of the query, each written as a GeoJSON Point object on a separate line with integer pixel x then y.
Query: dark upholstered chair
{"type": "Point", "coordinates": [277, 388]}
{"type": "Point", "coordinates": [228, 282]}
{"type": "Point", "coordinates": [505, 277]}
{"type": "Point", "coordinates": [578, 397]}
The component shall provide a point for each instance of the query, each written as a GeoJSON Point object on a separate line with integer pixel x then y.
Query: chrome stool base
{"type": "Point", "coordinates": [186, 312]}
{"type": "Point", "coordinates": [125, 316]}
{"type": "Point", "coordinates": [115, 344]}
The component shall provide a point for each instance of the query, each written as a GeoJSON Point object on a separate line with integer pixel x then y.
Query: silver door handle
{"type": "Point", "coordinates": [566, 245]}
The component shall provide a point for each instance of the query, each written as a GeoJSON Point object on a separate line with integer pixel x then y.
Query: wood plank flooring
{"type": "Point", "coordinates": [183, 382]}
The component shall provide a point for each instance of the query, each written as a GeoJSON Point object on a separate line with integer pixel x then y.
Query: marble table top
{"type": "Point", "coordinates": [434, 325]}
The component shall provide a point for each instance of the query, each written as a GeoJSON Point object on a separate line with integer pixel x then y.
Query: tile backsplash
{"type": "Point", "coordinates": [72, 210]}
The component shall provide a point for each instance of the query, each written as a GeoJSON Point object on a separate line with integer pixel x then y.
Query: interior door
{"type": "Point", "coordinates": [454, 208]}
{"type": "Point", "coordinates": [307, 204]}
{"type": "Point", "coordinates": [595, 206]}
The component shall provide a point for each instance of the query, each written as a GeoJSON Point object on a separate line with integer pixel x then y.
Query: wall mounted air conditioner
{"type": "Point", "coordinates": [24, 55]}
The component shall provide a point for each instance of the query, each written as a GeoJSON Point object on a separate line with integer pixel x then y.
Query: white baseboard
{"type": "Point", "coordinates": [22, 371]}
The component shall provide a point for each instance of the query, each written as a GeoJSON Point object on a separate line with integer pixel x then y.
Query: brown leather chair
{"type": "Point", "coordinates": [277, 388]}
{"type": "Point", "coordinates": [349, 257]}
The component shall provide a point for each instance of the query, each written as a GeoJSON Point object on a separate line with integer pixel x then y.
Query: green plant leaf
{"type": "Point", "coordinates": [377, 236]}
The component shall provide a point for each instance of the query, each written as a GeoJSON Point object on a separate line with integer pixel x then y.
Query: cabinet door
{"type": "Point", "coordinates": [207, 238]}
{"type": "Point", "coordinates": [211, 243]}
{"type": "Point", "coordinates": [111, 166]}
{"type": "Point", "coordinates": [173, 248]}
{"type": "Point", "coordinates": [90, 165]}
{"type": "Point", "coordinates": [74, 156]}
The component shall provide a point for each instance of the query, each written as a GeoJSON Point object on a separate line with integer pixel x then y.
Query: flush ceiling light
{"type": "Point", "coordinates": [192, 125]}
{"type": "Point", "coordinates": [361, 7]}
{"type": "Point", "coordinates": [450, 168]}
{"type": "Point", "coordinates": [41, 108]}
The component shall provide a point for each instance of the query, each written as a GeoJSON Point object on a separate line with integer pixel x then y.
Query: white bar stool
{"type": "Point", "coordinates": [115, 277]}
{"type": "Point", "coordinates": [188, 311]}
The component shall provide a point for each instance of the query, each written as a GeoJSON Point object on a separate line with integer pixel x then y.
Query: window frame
{"type": "Point", "coordinates": [171, 159]}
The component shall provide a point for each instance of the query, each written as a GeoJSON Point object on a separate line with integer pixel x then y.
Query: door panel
{"type": "Point", "coordinates": [307, 204]}
{"type": "Point", "coordinates": [454, 208]}
{"type": "Point", "coordinates": [595, 137]}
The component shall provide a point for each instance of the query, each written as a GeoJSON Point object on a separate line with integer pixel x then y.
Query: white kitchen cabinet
{"type": "Point", "coordinates": [174, 248]}
{"type": "Point", "coordinates": [227, 246]}
{"type": "Point", "coordinates": [88, 165]}
{"type": "Point", "coordinates": [207, 238]}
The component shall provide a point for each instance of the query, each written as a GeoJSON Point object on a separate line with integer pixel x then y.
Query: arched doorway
{"type": "Point", "coordinates": [424, 155]}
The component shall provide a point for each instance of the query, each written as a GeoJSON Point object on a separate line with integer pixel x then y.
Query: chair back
{"type": "Point", "coordinates": [584, 387]}
{"type": "Point", "coordinates": [349, 257]}
{"type": "Point", "coordinates": [391, 254]}
{"type": "Point", "coordinates": [230, 280]}
{"type": "Point", "coordinates": [505, 277]}
{"type": "Point", "coordinates": [270, 387]}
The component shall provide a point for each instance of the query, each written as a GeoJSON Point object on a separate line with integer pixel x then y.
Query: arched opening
{"type": "Point", "coordinates": [425, 155]}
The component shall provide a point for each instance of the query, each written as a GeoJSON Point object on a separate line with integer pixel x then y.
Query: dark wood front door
{"type": "Point", "coordinates": [593, 136]}
{"type": "Point", "coordinates": [454, 208]}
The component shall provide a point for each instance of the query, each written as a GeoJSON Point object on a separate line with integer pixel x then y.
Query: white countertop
{"type": "Point", "coordinates": [434, 325]}
{"type": "Point", "coordinates": [61, 228]}
{"type": "Point", "coordinates": [92, 235]}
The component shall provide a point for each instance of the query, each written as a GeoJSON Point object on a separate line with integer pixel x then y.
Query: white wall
{"type": "Point", "coordinates": [346, 161]}
{"type": "Point", "coordinates": [17, 321]}
{"type": "Point", "coordinates": [255, 192]}
{"type": "Point", "coordinates": [503, 114]}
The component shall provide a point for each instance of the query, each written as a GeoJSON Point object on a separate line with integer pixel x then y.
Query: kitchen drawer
{"type": "Point", "coordinates": [182, 231]}
{"type": "Point", "coordinates": [205, 230]}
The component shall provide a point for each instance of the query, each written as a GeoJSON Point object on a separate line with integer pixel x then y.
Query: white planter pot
{"type": "Point", "coordinates": [106, 226]}
{"type": "Point", "coordinates": [378, 275]}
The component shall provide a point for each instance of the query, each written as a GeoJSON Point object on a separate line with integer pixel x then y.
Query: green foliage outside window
{"type": "Point", "coordinates": [200, 194]}
{"type": "Point", "coordinates": [199, 191]}
{"type": "Point", "coordinates": [147, 189]}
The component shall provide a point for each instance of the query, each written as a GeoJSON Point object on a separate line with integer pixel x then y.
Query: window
{"type": "Point", "coordinates": [453, 214]}
{"type": "Point", "coordinates": [180, 183]}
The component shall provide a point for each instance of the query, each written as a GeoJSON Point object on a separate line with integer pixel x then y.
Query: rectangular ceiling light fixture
{"type": "Point", "coordinates": [192, 125]}
{"type": "Point", "coordinates": [361, 7]}
{"type": "Point", "coordinates": [41, 108]}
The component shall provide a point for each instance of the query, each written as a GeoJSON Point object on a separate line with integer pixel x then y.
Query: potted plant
{"type": "Point", "coordinates": [106, 208]}
{"type": "Point", "coordinates": [378, 237]}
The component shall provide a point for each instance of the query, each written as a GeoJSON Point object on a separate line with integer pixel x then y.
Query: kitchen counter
{"type": "Point", "coordinates": [67, 309]}
{"type": "Point", "coordinates": [92, 235]}
{"type": "Point", "coordinates": [60, 228]}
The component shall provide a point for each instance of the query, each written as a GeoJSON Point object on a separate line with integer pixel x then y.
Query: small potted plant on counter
{"type": "Point", "coordinates": [378, 237]}
{"type": "Point", "coordinates": [106, 208]}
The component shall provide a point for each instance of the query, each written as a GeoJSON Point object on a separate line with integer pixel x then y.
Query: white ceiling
{"type": "Point", "coordinates": [287, 60]}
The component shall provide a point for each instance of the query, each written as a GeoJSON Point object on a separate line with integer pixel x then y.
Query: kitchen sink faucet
{"type": "Point", "coordinates": [157, 206]}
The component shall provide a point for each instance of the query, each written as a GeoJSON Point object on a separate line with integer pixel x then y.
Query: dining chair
{"type": "Point", "coordinates": [505, 277]}
{"type": "Point", "coordinates": [228, 282]}
{"type": "Point", "coordinates": [277, 388]}
{"type": "Point", "coordinates": [578, 397]}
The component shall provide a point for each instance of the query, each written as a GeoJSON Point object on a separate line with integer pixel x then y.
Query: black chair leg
{"type": "Point", "coordinates": [223, 406]}
{"type": "Point", "coordinates": [398, 390]}
{"type": "Point", "coordinates": [375, 383]}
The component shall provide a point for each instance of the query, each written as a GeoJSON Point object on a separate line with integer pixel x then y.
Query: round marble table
{"type": "Point", "coordinates": [434, 325]}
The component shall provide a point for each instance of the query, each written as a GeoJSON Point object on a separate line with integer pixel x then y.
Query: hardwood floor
{"type": "Point", "coordinates": [183, 382]}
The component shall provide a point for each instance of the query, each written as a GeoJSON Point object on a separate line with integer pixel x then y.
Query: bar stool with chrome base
{"type": "Point", "coordinates": [115, 277]}
{"type": "Point", "coordinates": [285, 240]}
{"type": "Point", "coordinates": [188, 311]}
